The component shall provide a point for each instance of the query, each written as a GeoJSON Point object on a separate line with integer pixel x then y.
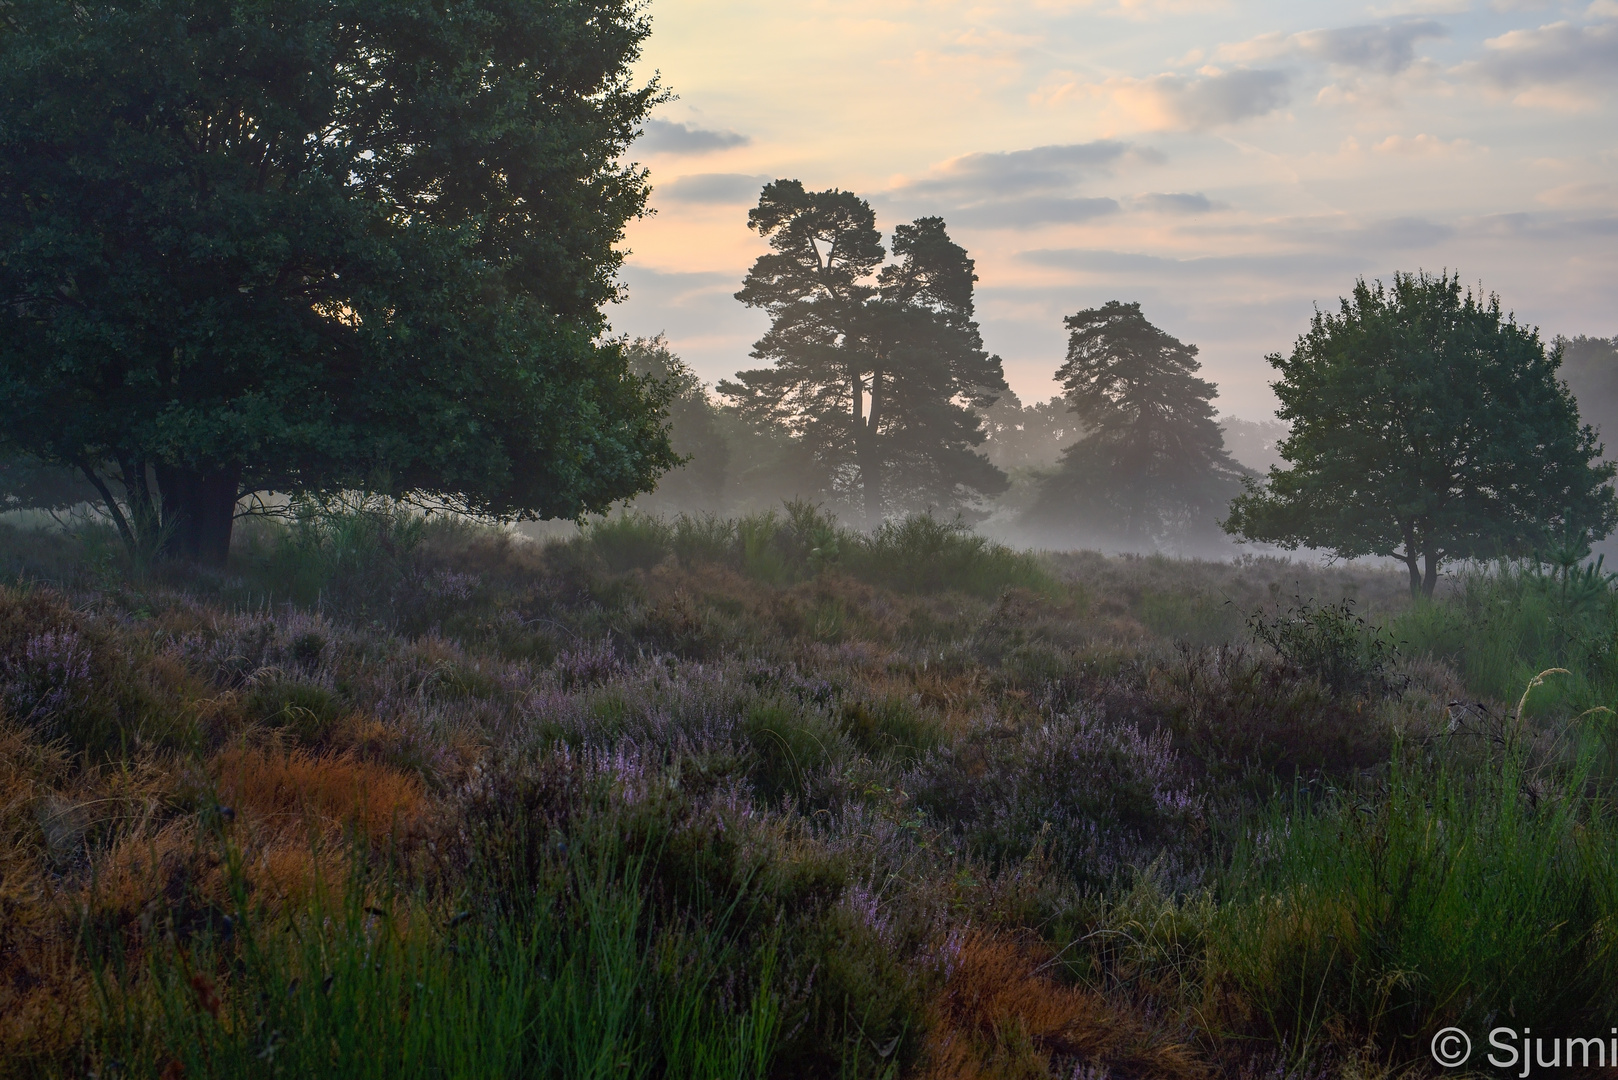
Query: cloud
{"type": "Point", "coordinates": [1022, 188]}
{"type": "Point", "coordinates": [1194, 103]}
{"type": "Point", "coordinates": [1027, 212]}
{"type": "Point", "coordinates": [1129, 263]}
{"type": "Point", "coordinates": [1017, 172]}
{"type": "Point", "coordinates": [1424, 146]}
{"type": "Point", "coordinates": [1160, 202]}
{"type": "Point", "coordinates": [713, 188]}
{"type": "Point", "coordinates": [668, 137]}
{"type": "Point", "coordinates": [1386, 49]}
{"type": "Point", "coordinates": [1586, 194]}
{"type": "Point", "coordinates": [1560, 65]}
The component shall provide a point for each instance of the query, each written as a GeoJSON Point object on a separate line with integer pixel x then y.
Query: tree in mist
{"type": "Point", "coordinates": [1151, 467]}
{"type": "Point", "coordinates": [877, 369]}
{"type": "Point", "coordinates": [1253, 443]}
{"type": "Point", "coordinates": [1028, 436]}
{"type": "Point", "coordinates": [306, 246]}
{"type": "Point", "coordinates": [695, 430]}
{"type": "Point", "coordinates": [1427, 425]}
{"type": "Point", "coordinates": [1590, 366]}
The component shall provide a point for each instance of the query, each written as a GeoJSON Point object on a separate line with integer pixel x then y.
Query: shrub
{"type": "Point", "coordinates": [630, 540]}
{"type": "Point", "coordinates": [1097, 799]}
{"type": "Point", "coordinates": [923, 554]}
{"type": "Point", "coordinates": [1332, 643]}
{"type": "Point", "coordinates": [305, 710]}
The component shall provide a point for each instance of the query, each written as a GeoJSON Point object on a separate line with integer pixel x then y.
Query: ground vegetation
{"type": "Point", "coordinates": [766, 796]}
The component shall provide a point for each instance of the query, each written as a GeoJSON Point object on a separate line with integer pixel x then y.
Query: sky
{"type": "Point", "coordinates": [1229, 165]}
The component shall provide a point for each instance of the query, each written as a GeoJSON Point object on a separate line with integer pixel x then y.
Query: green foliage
{"type": "Point", "coordinates": [1151, 467]}
{"type": "Point", "coordinates": [1501, 625]}
{"type": "Point", "coordinates": [874, 371]}
{"type": "Point", "coordinates": [1379, 917]}
{"type": "Point", "coordinates": [352, 987]}
{"type": "Point", "coordinates": [226, 272]}
{"type": "Point", "coordinates": [917, 554]}
{"type": "Point", "coordinates": [305, 710]}
{"type": "Point", "coordinates": [631, 540]}
{"type": "Point", "coordinates": [923, 554]}
{"type": "Point", "coordinates": [1331, 642]}
{"type": "Point", "coordinates": [1427, 426]}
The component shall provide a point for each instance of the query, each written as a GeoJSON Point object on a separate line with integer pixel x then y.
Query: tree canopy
{"type": "Point", "coordinates": [1151, 467]}
{"type": "Point", "coordinates": [1427, 425]}
{"type": "Point", "coordinates": [877, 368]}
{"type": "Point", "coordinates": [315, 244]}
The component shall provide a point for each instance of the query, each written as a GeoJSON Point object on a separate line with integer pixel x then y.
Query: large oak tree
{"type": "Point", "coordinates": [878, 369]}
{"type": "Point", "coordinates": [1427, 425]}
{"type": "Point", "coordinates": [302, 245]}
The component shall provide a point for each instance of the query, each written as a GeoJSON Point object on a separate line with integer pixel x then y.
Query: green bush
{"type": "Point", "coordinates": [305, 710]}
{"type": "Point", "coordinates": [630, 540]}
{"type": "Point", "coordinates": [1502, 625]}
{"type": "Point", "coordinates": [1332, 643]}
{"type": "Point", "coordinates": [922, 554]}
{"type": "Point", "coordinates": [791, 743]}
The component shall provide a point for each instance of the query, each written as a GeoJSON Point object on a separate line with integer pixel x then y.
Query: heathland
{"type": "Point", "coordinates": [392, 796]}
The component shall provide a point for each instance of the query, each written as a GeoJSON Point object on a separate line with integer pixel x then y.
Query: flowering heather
{"type": "Point", "coordinates": [52, 673]}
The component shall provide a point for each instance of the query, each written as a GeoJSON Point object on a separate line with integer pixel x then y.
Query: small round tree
{"type": "Point", "coordinates": [1426, 425]}
{"type": "Point", "coordinates": [308, 245]}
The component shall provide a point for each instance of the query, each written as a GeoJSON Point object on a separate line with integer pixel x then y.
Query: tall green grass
{"type": "Point", "coordinates": [1453, 894]}
{"type": "Point", "coordinates": [573, 981]}
{"type": "Point", "coordinates": [1502, 624]}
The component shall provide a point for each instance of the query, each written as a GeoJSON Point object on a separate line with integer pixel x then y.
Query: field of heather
{"type": "Point", "coordinates": [400, 797]}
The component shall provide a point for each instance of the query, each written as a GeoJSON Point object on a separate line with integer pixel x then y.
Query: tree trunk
{"type": "Point", "coordinates": [1411, 563]}
{"type": "Point", "coordinates": [199, 510]}
{"type": "Point", "coordinates": [1430, 581]}
{"type": "Point", "coordinates": [866, 452]}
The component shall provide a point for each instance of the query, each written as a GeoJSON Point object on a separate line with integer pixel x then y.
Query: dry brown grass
{"type": "Point", "coordinates": [1000, 1018]}
{"type": "Point", "coordinates": [292, 791]}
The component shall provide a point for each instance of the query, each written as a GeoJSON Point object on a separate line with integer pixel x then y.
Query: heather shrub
{"type": "Point", "coordinates": [1253, 724]}
{"type": "Point", "coordinates": [1098, 799]}
{"type": "Point", "coordinates": [66, 678]}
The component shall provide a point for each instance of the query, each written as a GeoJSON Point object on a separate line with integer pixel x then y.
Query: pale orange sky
{"type": "Point", "coordinates": [1229, 165]}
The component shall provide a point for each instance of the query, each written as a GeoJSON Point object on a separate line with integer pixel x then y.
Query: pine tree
{"type": "Point", "coordinates": [1151, 468]}
{"type": "Point", "coordinates": [877, 371]}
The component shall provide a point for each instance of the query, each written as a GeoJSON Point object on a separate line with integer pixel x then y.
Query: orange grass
{"type": "Point", "coordinates": [998, 1017]}
{"type": "Point", "coordinates": [335, 790]}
